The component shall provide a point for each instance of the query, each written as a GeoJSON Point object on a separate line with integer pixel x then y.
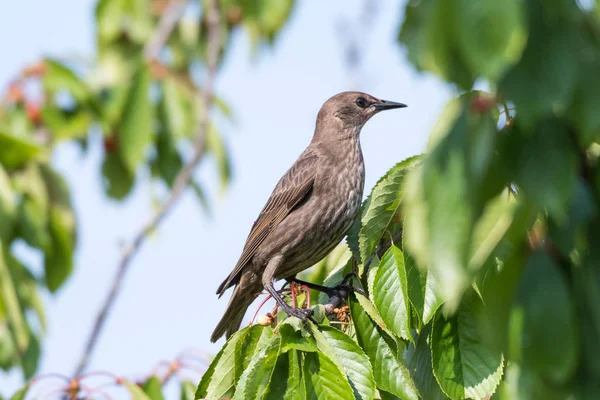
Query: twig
{"type": "Point", "coordinates": [182, 179]}
{"type": "Point", "coordinates": [168, 19]}
{"type": "Point", "coordinates": [335, 301]}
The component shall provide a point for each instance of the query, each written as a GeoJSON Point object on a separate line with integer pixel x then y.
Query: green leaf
{"type": "Point", "coordinates": [286, 381]}
{"type": "Point", "coordinates": [117, 179]}
{"type": "Point", "coordinates": [64, 125]}
{"type": "Point", "coordinates": [586, 102]}
{"type": "Point", "coordinates": [324, 380]}
{"type": "Point", "coordinates": [188, 389]}
{"type": "Point", "coordinates": [216, 147]}
{"type": "Point", "coordinates": [254, 382]}
{"type": "Point", "coordinates": [254, 341]}
{"type": "Point", "coordinates": [423, 290]}
{"type": "Point", "coordinates": [131, 18]}
{"type": "Point", "coordinates": [273, 15]}
{"type": "Point", "coordinates": [31, 357]}
{"type": "Point", "coordinates": [587, 295]}
{"type": "Point", "coordinates": [8, 207]}
{"type": "Point", "coordinates": [546, 76]}
{"type": "Point", "coordinates": [391, 374]}
{"type": "Point", "coordinates": [294, 336]}
{"type": "Point", "coordinates": [429, 32]}
{"type": "Point", "coordinates": [550, 178]}
{"type": "Point", "coordinates": [59, 77]}
{"type": "Point", "coordinates": [135, 128]}
{"type": "Point", "coordinates": [462, 364]}
{"type": "Point", "coordinates": [27, 288]}
{"type": "Point", "coordinates": [10, 302]}
{"type": "Point", "coordinates": [523, 383]}
{"type": "Point", "coordinates": [381, 206]}
{"type": "Point", "coordinates": [177, 109]}
{"type": "Point", "coordinates": [421, 368]}
{"type": "Point", "coordinates": [219, 379]}
{"type": "Point", "coordinates": [492, 35]}
{"type": "Point", "coordinates": [543, 321]}
{"type": "Point", "coordinates": [58, 264]}
{"type": "Point", "coordinates": [109, 18]}
{"type": "Point", "coordinates": [491, 227]}
{"type": "Point", "coordinates": [390, 293]}
{"type": "Point", "coordinates": [15, 151]}
{"type": "Point", "coordinates": [571, 233]}
{"type": "Point", "coordinates": [135, 391]}
{"type": "Point", "coordinates": [33, 215]}
{"type": "Point", "coordinates": [153, 388]}
{"type": "Point", "coordinates": [21, 393]}
{"type": "Point", "coordinates": [351, 359]}
{"type": "Point", "coordinates": [444, 197]}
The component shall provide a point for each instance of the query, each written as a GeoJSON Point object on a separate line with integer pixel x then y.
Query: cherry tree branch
{"type": "Point", "coordinates": [165, 26]}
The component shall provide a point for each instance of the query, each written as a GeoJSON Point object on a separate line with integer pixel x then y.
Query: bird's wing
{"type": "Point", "coordinates": [293, 187]}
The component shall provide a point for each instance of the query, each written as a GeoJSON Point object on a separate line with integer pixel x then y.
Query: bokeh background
{"type": "Point", "coordinates": [168, 301]}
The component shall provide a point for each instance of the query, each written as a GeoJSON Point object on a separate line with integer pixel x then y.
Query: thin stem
{"type": "Point", "coordinates": [168, 20]}
{"type": "Point", "coordinates": [181, 181]}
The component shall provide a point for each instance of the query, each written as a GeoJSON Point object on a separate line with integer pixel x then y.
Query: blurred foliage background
{"type": "Point", "coordinates": [494, 286]}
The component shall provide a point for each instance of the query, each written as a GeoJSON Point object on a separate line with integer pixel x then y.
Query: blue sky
{"type": "Point", "coordinates": [168, 301]}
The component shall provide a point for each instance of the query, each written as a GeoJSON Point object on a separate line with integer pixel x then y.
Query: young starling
{"type": "Point", "coordinates": [310, 211]}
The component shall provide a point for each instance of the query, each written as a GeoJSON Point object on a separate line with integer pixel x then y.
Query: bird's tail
{"type": "Point", "coordinates": [240, 300]}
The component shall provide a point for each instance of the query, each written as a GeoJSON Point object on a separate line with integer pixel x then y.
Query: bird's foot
{"type": "Point", "coordinates": [303, 314]}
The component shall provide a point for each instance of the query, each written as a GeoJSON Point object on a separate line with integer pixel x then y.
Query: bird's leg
{"type": "Point", "coordinates": [344, 286]}
{"type": "Point", "coordinates": [302, 313]}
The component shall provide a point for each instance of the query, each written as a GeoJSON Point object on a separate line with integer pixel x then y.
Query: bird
{"type": "Point", "coordinates": [310, 211]}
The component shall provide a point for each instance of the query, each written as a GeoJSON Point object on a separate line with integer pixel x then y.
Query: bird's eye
{"type": "Point", "coordinates": [361, 102]}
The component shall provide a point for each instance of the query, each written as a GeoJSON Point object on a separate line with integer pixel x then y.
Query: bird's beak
{"type": "Point", "coordinates": [387, 105]}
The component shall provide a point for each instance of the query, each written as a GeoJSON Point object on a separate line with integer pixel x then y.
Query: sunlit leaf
{"type": "Point", "coordinates": [254, 341]}
{"type": "Point", "coordinates": [10, 303]}
{"type": "Point", "coordinates": [177, 109]}
{"type": "Point", "coordinates": [188, 389]}
{"type": "Point", "coordinates": [423, 290]}
{"type": "Point", "coordinates": [446, 195]}
{"type": "Point", "coordinates": [391, 374]}
{"type": "Point", "coordinates": [21, 393]}
{"type": "Point", "coordinates": [8, 206]}
{"type": "Point", "coordinates": [153, 388]}
{"type": "Point", "coordinates": [215, 145]}
{"type": "Point", "coordinates": [255, 380]}
{"type": "Point", "coordinates": [352, 360]}
{"type": "Point", "coordinates": [116, 178]}
{"type": "Point", "coordinates": [390, 293]}
{"type": "Point", "coordinates": [380, 207]}
{"type": "Point", "coordinates": [219, 379]}
{"type": "Point", "coordinates": [16, 151]}
{"type": "Point", "coordinates": [135, 129]}
{"type": "Point", "coordinates": [287, 382]}
{"type": "Point", "coordinates": [294, 336]}
{"type": "Point", "coordinates": [135, 391]}
{"type": "Point", "coordinates": [462, 364]}
{"type": "Point", "coordinates": [324, 379]}
{"type": "Point", "coordinates": [500, 38]}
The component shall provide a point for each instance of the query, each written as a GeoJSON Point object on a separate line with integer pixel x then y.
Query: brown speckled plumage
{"type": "Point", "coordinates": [310, 210]}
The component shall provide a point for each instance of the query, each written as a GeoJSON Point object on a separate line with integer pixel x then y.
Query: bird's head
{"type": "Point", "coordinates": [353, 109]}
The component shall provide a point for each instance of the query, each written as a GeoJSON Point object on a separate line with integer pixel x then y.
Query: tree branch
{"type": "Point", "coordinates": [166, 24]}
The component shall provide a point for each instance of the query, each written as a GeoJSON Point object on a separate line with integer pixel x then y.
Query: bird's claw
{"type": "Point", "coordinates": [302, 314]}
